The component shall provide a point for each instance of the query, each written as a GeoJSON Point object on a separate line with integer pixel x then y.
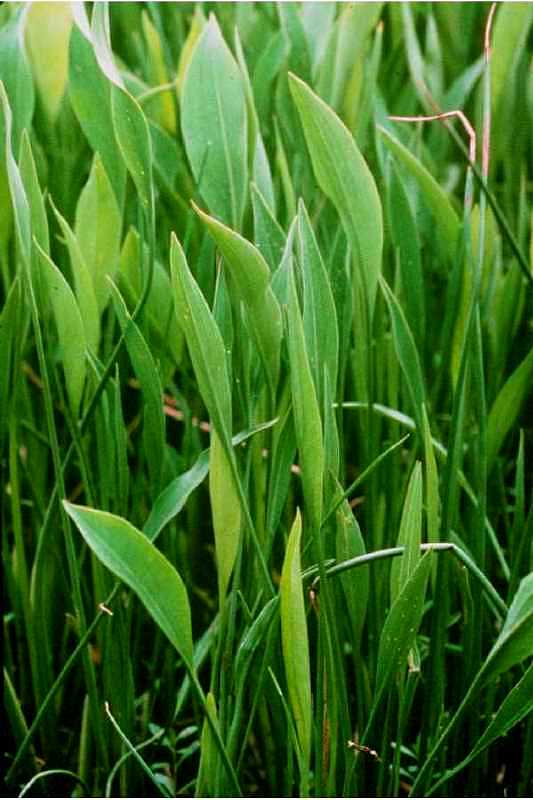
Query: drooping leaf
{"type": "Point", "coordinates": [251, 277]}
{"type": "Point", "coordinates": [129, 555]}
{"type": "Point", "coordinates": [344, 177]}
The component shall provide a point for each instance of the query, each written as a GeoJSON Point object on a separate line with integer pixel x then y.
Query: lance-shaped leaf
{"type": "Point", "coordinates": [343, 175]}
{"type": "Point", "coordinates": [295, 640]}
{"type": "Point", "coordinates": [16, 74]}
{"type": "Point", "coordinates": [251, 277]}
{"type": "Point", "coordinates": [226, 513]}
{"type": "Point", "coordinates": [70, 330]}
{"type": "Point", "coordinates": [214, 125]}
{"type": "Point", "coordinates": [204, 341]}
{"type": "Point", "coordinates": [47, 36]}
{"type": "Point", "coordinates": [507, 405]}
{"type": "Point", "coordinates": [129, 555]}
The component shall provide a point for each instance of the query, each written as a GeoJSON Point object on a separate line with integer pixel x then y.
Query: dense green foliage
{"type": "Point", "coordinates": [266, 357]}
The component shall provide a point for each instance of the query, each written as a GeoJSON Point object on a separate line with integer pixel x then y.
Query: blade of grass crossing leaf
{"type": "Point", "coordinates": [344, 177]}
{"type": "Point", "coordinates": [295, 641]}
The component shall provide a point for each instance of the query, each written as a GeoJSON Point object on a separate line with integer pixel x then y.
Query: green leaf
{"type": "Point", "coordinates": [28, 173]}
{"type": "Point", "coordinates": [406, 351]}
{"type": "Point", "coordinates": [90, 89]}
{"type": "Point", "coordinates": [148, 377]}
{"type": "Point", "coordinates": [446, 220]}
{"type": "Point", "coordinates": [226, 514]}
{"type": "Point", "coordinates": [83, 284]}
{"type": "Point", "coordinates": [294, 640]}
{"type": "Point", "coordinates": [47, 36]}
{"type": "Point", "coordinates": [204, 341]}
{"type": "Point", "coordinates": [133, 137]}
{"type": "Point", "coordinates": [129, 555]}
{"type": "Point", "coordinates": [320, 316]}
{"type": "Point", "coordinates": [214, 125]}
{"type": "Point", "coordinates": [70, 330]}
{"type": "Point", "coordinates": [250, 276]}
{"type": "Point", "coordinates": [410, 535]}
{"type": "Point", "coordinates": [515, 642]}
{"type": "Point", "coordinates": [19, 201]}
{"type": "Point", "coordinates": [344, 177]}
{"type": "Point", "coordinates": [9, 325]}
{"type": "Point", "coordinates": [268, 234]}
{"type": "Point", "coordinates": [306, 412]}
{"type": "Point", "coordinates": [97, 230]}
{"type": "Point", "coordinates": [401, 625]}
{"type": "Point", "coordinates": [209, 758]}
{"type": "Point", "coordinates": [506, 407]}
{"type": "Point", "coordinates": [16, 74]}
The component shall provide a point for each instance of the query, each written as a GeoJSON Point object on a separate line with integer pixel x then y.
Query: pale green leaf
{"type": "Point", "coordinates": [226, 514]}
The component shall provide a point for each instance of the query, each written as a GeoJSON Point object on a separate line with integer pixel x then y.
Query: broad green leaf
{"type": "Point", "coordinates": [214, 125]}
{"type": "Point", "coordinates": [262, 174]}
{"type": "Point", "coordinates": [320, 316]}
{"type": "Point", "coordinates": [506, 407]}
{"type": "Point", "coordinates": [148, 377]}
{"type": "Point", "coordinates": [307, 421]}
{"type": "Point", "coordinates": [251, 277]}
{"type": "Point", "coordinates": [344, 177]}
{"type": "Point", "coordinates": [406, 351]}
{"type": "Point", "coordinates": [197, 24]}
{"type": "Point", "coordinates": [515, 642]}
{"type": "Point", "coordinates": [97, 230]}
{"type": "Point", "coordinates": [133, 137]}
{"type": "Point", "coordinates": [226, 514]}
{"type": "Point", "coordinates": [70, 330]}
{"type": "Point", "coordinates": [444, 215]}
{"type": "Point", "coordinates": [294, 33]}
{"type": "Point", "coordinates": [48, 27]}
{"type": "Point", "coordinates": [83, 284]}
{"type": "Point", "coordinates": [129, 555]}
{"type": "Point", "coordinates": [401, 625]}
{"type": "Point", "coordinates": [410, 535]}
{"type": "Point", "coordinates": [204, 342]}
{"type": "Point", "coordinates": [90, 89]}
{"type": "Point", "coordinates": [317, 21]}
{"type": "Point", "coordinates": [294, 640]}
{"type": "Point", "coordinates": [16, 74]}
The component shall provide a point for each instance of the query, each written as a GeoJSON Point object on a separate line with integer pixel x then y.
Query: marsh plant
{"type": "Point", "coordinates": [265, 366]}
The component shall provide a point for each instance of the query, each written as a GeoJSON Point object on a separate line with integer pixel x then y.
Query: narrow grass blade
{"type": "Point", "coordinates": [214, 125]}
{"type": "Point", "coordinates": [205, 782]}
{"type": "Point", "coordinates": [344, 177]}
{"type": "Point", "coordinates": [129, 555]}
